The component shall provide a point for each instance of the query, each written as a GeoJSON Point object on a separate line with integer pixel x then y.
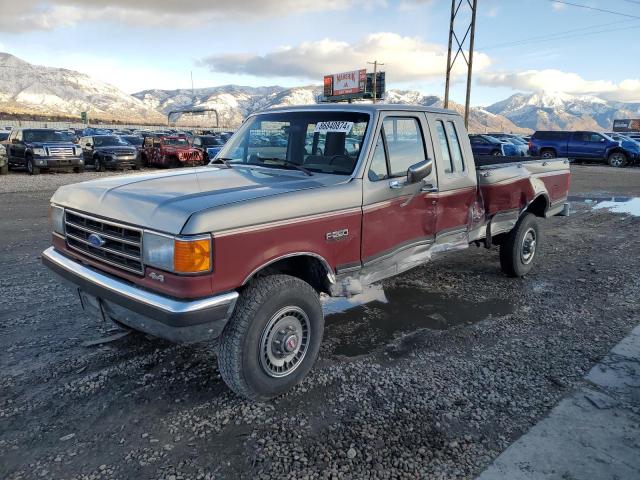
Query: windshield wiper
{"type": "Point", "coordinates": [225, 161]}
{"type": "Point", "coordinates": [287, 163]}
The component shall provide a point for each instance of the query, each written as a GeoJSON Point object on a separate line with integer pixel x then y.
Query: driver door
{"type": "Point", "coordinates": [399, 219]}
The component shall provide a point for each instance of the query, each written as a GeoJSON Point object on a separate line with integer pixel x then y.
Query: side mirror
{"type": "Point", "coordinates": [419, 171]}
{"type": "Point", "coordinates": [602, 139]}
{"type": "Point", "coordinates": [87, 145]}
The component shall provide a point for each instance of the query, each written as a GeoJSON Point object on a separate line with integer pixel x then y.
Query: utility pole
{"type": "Point", "coordinates": [470, 34]}
{"type": "Point", "coordinates": [375, 78]}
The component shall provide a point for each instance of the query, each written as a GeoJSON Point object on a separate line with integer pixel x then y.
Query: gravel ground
{"type": "Point", "coordinates": [435, 383]}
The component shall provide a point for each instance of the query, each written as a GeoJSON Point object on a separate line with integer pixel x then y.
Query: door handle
{"type": "Point", "coordinates": [429, 189]}
{"type": "Point", "coordinates": [396, 184]}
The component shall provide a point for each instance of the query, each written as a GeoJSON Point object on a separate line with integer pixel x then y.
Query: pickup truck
{"type": "Point", "coordinates": [240, 250]}
{"type": "Point", "coordinates": [586, 146]}
{"type": "Point", "coordinates": [39, 149]}
{"type": "Point", "coordinates": [169, 151]}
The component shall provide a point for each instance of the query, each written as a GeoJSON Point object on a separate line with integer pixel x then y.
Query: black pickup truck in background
{"type": "Point", "coordinates": [39, 149]}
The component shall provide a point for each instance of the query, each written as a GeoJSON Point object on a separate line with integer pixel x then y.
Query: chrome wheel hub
{"type": "Point", "coordinates": [285, 341]}
{"type": "Point", "coordinates": [528, 249]}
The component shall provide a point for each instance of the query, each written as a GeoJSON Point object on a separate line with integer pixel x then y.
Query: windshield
{"type": "Point", "coordinates": [175, 141]}
{"type": "Point", "coordinates": [212, 141]}
{"type": "Point", "coordinates": [319, 141]}
{"type": "Point", "coordinates": [133, 140]}
{"type": "Point", "coordinates": [51, 136]}
{"type": "Point", "coordinates": [108, 141]}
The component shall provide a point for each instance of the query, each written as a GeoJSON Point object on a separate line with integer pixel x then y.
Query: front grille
{"type": "Point", "coordinates": [189, 156]}
{"type": "Point", "coordinates": [121, 247]}
{"type": "Point", "coordinates": [61, 151]}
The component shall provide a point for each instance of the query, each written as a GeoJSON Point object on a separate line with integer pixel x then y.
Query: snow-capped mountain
{"type": "Point", "coordinates": [34, 89]}
{"type": "Point", "coordinates": [234, 102]}
{"type": "Point", "coordinates": [561, 111]}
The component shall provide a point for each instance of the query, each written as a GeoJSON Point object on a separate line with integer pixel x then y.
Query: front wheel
{"type": "Point", "coordinates": [97, 165]}
{"type": "Point", "coordinates": [617, 159]}
{"type": "Point", "coordinates": [273, 338]}
{"type": "Point", "coordinates": [31, 168]}
{"type": "Point", "coordinates": [520, 247]}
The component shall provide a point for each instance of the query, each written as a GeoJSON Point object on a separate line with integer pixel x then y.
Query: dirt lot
{"type": "Point", "coordinates": [445, 367]}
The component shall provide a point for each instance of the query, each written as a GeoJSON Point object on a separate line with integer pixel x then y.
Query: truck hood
{"type": "Point", "coordinates": [165, 201]}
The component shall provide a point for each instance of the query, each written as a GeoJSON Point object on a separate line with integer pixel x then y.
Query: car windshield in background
{"type": "Point", "coordinates": [109, 141]}
{"type": "Point", "coordinates": [133, 140]}
{"type": "Point", "coordinates": [50, 136]}
{"type": "Point", "coordinates": [176, 141]}
{"type": "Point", "coordinates": [212, 141]}
{"type": "Point", "coordinates": [318, 141]}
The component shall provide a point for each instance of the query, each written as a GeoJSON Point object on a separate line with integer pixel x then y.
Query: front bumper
{"type": "Point", "coordinates": [120, 162]}
{"type": "Point", "coordinates": [180, 321]}
{"type": "Point", "coordinates": [58, 162]}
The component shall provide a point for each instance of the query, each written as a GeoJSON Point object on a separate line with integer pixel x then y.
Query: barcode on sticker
{"type": "Point", "coordinates": [337, 127]}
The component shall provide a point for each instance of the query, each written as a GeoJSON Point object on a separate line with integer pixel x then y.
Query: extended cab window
{"type": "Point", "coordinates": [444, 147]}
{"type": "Point", "coordinates": [456, 149]}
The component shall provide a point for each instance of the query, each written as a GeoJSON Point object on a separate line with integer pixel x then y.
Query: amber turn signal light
{"type": "Point", "coordinates": [192, 256]}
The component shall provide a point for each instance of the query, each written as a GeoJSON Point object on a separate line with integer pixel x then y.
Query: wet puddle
{"type": "Point", "coordinates": [629, 205]}
{"type": "Point", "coordinates": [358, 325]}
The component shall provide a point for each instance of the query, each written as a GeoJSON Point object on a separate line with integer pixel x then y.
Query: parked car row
{"type": "Point", "coordinates": [42, 149]}
{"type": "Point", "coordinates": [499, 144]}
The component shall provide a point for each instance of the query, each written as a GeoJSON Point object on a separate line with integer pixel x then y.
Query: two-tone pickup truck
{"type": "Point", "coordinates": [240, 250]}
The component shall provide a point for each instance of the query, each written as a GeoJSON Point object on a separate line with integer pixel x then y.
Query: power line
{"type": "Point", "coordinates": [596, 9]}
{"type": "Point", "coordinates": [558, 36]}
{"type": "Point", "coordinates": [551, 36]}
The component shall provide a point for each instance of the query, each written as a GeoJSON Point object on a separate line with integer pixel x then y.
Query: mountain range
{"type": "Point", "coordinates": [31, 89]}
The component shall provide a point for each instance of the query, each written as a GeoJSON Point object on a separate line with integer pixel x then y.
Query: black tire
{"type": "Point", "coordinates": [617, 159]}
{"type": "Point", "coordinates": [548, 153]}
{"type": "Point", "coordinates": [143, 160]}
{"type": "Point", "coordinates": [31, 168]}
{"type": "Point", "coordinates": [137, 164]}
{"type": "Point", "coordinates": [97, 164]}
{"type": "Point", "coordinates": [4, 170]}
{"type": "Point", "coordinates": [79, 169]}
{"type": "Point", "coordinates": [517, 253]}
{"type": "Point", "coordinates": [174, 163]}
{"type": "Point", "coordinates": [243, 361]}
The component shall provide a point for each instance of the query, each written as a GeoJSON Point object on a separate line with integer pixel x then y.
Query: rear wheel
{"type": "Point", "coordinates": [31, 167]}
{"type": "Point", "coordinates": [273, 337]}
{"type": "Point", "coordinates": [617, 159]}
{"type": "Point", "coordinates": [547, 153]}
{"type": "Point", "coordinates": [520, 247]}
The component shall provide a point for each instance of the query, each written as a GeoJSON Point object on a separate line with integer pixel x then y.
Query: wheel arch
{"type": "Point", "coordinates": [538, 206]}
{"type": "Point", "coordinates": [307, 266]}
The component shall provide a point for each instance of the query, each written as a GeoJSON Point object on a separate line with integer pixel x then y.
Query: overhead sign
{"type": "Point", "coordinates": [345, 83]}
{"type": "Point", "coordinates": [626, 125]}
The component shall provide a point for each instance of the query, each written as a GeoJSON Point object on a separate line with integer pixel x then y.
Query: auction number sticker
{"type": "Point", "coordinates": [337, 127]}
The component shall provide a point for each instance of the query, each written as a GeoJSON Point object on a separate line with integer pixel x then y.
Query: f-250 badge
{"type": "Point", "coordinates": [337, 235]}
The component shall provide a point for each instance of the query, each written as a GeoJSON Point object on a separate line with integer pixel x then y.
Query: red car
{"type": "Point", "coordinates": [171, 151]}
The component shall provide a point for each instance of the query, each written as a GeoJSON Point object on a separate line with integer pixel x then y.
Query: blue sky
{"type": "Point", "coordinates": [157, 43]}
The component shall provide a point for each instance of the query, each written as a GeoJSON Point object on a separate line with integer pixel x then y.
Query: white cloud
{"type": "Point", "coordinates": [27, 15]}
{"type": "Point", "coordinates": [558, 81]}
{"type": "Point", "coordinates": [405, 58]}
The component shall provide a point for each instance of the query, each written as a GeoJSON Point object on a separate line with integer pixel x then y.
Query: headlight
{"type": "Point", "coordinates": [177, 255]}
{"type": "Point", "coordinates": [57, 219]}
{"type": "Point", "coordinates": [77, 151]}
{"type": "Point", "coordinates": [39, 151]}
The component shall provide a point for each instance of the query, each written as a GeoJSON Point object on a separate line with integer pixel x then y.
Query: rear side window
{"type": "Point", "coordinates": [444, 147]}
{"type": "Point", "coordinates": [551, 135]}
{"type": "Point", "coordinates": [456, 149]}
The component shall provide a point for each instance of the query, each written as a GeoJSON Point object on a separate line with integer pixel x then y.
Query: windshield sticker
{"type": "Point", "coordinates": [338, 127]}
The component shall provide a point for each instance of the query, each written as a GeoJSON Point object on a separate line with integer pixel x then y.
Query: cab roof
{"type": "Point", "coordinates": [362, 107]}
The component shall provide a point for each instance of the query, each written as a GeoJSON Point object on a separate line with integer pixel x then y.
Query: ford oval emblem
{"type": "Point", "coordinates": [96, 240]}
